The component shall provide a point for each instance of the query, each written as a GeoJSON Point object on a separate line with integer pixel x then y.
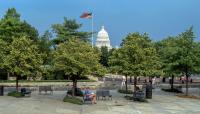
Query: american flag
{"type": "Point", "coordinates": [86, 15]}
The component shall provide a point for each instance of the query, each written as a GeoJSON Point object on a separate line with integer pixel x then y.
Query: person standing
{"type": "Point", "coordinates": [123, 81]}
{"type": "Point", "coordinates": [154, 82]}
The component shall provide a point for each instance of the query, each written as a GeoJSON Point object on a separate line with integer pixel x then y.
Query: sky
{"type": "Point", "coordinates": [159, 18]}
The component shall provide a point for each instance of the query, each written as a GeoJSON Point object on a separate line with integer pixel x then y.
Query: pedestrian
{"type": "Point", "coordinates": [123, 81]}
{"type": "Point", "coordinates": [104, 79]}
{"type": "Point", "coordinates": [182, 79]}
{"type": "Point", "coordinates": [154, 82]}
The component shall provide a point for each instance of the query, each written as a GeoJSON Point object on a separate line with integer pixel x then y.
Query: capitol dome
{"type": "Point", "coordinates": [103, 34]}
{"type": "Point", "coordinates": [103, 39]}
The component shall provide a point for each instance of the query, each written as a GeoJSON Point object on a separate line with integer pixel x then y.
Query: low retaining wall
{"type": "Point", "coordinates": [57, 86]}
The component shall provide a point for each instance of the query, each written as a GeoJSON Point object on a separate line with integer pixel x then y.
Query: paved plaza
{"type": "Point", "coordinates": [162, 103]}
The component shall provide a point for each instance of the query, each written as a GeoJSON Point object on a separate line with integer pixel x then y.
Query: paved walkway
{"type": "Point", "coordinates": [162, 103]}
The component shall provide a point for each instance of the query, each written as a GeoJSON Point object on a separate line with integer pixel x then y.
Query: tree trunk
{"type": "Point", "coordinates": [187, 83]}
{"type": "Point", "coordinates": [74, 87]}
{"type": "Point", "coordinates": [135, 83]}
{"type": "Point", "coordinates": [8, 75]}
{"type": "Point", "coordinates": [172, 82]}
{"type": "Point", "coordinates": [17, 86]}
{"type": "Point", "coordinates": [130, 79]}
{"type": "Point", "coordinates": [126, 83]}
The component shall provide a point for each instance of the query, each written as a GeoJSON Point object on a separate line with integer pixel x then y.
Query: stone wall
{"type": "Point", "coordinates": [57, 86]}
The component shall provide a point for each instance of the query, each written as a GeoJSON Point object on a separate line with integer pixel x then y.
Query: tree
{"type": "Point", "coordinates": [45, 46]}
{"type": "Point", "coordinates": [76, 58]}
{"type": "Point", "coordinates": [23, 58]}
{"type": "Point", "coordinates": [104, 56]}
{"type": "Point", "coordinates": [3, 52]}
{"type": "Point", "coordinates": [168, 50]}
{"type": "Point", "coordinates": [180, 55]}
{"type": "Point", "coordinates": [12, 13]}
{"type": "Point", "coordinates": [136, 57]}
{"type": "Point", "coordinates": [67, 30]}
{"type": "Point", "coordinates": [12, 27]}
{"type": "Point", "coordinates": [119, 64]}
{"type": "Point", "coordinates": [188, 55]}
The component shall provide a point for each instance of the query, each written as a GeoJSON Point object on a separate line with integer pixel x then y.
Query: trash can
{"type": "Point", "coordinates": [149, 91]}
{"type": "Point", "coordinates": [1, 90]}
{"type": "Point", "coordinates": [163, 80]}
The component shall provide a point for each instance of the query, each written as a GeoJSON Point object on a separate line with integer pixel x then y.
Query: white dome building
{"type": "Point", "coordinates": [103, 39]}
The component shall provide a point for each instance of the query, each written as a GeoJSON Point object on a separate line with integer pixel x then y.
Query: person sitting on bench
{"type": "Point", "coordinates": [91, 95]}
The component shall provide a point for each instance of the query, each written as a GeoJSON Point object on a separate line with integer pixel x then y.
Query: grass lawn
{"type": "Point", "coordinates": [73, 100]}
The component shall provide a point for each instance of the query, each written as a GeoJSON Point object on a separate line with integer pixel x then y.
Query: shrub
{"type": "Point", "coordinates": [73, 100]}
{"type": "Point", "coordinates": [124, 91]}
{"type": "Point", "coordinates": [15, 94]}
{"type": "Point", "coordinates": [131, 98]}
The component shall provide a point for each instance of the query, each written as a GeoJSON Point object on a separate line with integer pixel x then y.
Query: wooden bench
{"type": "Point", "coordinates": [45, 89]}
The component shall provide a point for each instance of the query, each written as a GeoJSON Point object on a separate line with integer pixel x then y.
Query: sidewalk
{"type": "Point", "coordinates": [162, 103]}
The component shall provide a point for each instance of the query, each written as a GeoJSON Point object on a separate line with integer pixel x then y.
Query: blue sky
{"type": "Point", "coordinates": [159, 18]}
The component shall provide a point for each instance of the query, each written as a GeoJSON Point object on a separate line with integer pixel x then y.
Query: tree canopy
{"type": "Point", "coordinates": [12, 27]}
{"type": "Point", "coordinates": [67, 30]}
{"type": "Point", "coordinates": [180, 54]}
{"type": "Point", "coordinates": [137, 56]}
{"type": "Point", "coordinates": [23, 58]}
{"type": "Point", "coordinates": [105, 54]}
{"type": "Point", "coordinates": [77, 58]}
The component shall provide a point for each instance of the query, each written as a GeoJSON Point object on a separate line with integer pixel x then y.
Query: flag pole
{"type": "Point", "coordinates": [92, 30]}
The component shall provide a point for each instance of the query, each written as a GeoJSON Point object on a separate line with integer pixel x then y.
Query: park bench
{"type": "Point", "coordinates": [45, 89]}
{"type": "Point", "coordinates": [103, 94]}
{"type": "Point", "coordinates": [25, 92]}
{"type": "Point", "coordinates": [138, 95]}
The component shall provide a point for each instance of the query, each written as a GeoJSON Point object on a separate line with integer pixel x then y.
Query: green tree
{"type": "Point", "coordinates": [119, 64]}
{"type": "Point", "coordinates": [67, 30]}
{"type": "Point", "coordinates": [104, 56]}
{"type": "Point", "coordinates": [12, 27]}
{"type": "Point", "coordinates": [77, 58]}
{"type": "Point", "coordinates": [180, 55]}
{"type": "Point", "coordinates": [136, 57]}
{"type": "Point", "coordinates": [188, 55]}
{"type": "Point", "coordinates": [45, 46]}
{"type": "Point", "coordinates": [3, 52]}
{"type": "Point", "coordinates": [168, 50]}
{"type": "Point", "coordinates": [23, 58]}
